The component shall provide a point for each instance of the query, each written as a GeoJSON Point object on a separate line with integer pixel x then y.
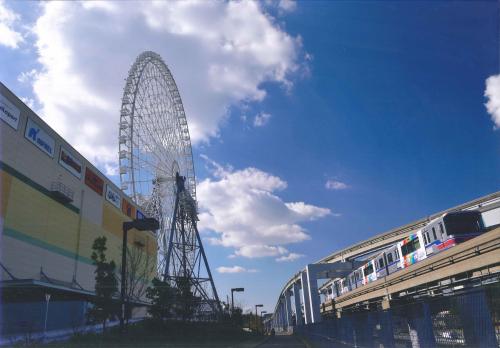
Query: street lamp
{"type": "Point", "coordinates": [232, 297]}
{"type": "Point", "coordinates": [256, 321]}
{"type": "Point", "coordinates": [261, 314]}
{"type": "Point", "coordinates": [146, 224]}
{"type": "Point", "coordinates": [47, 299]}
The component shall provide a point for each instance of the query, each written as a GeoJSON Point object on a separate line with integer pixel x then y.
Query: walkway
{"type": "Point", "coordinates": [283, 341]}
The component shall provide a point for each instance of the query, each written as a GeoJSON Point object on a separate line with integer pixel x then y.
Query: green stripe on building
{"type": "Point", "coordinates": [44, 245]}
{"type": "Point", "coordinates": [5, 167]}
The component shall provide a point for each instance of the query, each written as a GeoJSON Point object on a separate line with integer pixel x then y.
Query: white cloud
{"type": "Point", "coordinates": [252, 251]}
{"type": "Point", "coordinates": [243, 209]}
{"type": "Point", "coordinates": [287, 5]}
{"type": "Point", "coordinates": [235, 269]}
{"type": "Point", "coordinates": [290, 257]}
{"type": "Point", "coordinates": [27, 76]}
{"type": "Point", "coordinates": [8, 35]}
{"type": "Point", "coordinates": [261, 119]}
{"type": "Point", "coordinates": [335, 185]}
{"type": "Point", "coordinates": [220, 54]}
{"type": "Point", "coordinates": [492, 92]}
{"type": "Point", "coordinates": [28, 101]}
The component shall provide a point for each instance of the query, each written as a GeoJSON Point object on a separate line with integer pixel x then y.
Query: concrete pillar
{"type": "Point", "coordinates": [314, 299]}
{"type": "Point", "coordinates": [420, 326]}
{"type": "Point", "coordinates": [288, 304]}
{"type": "Point", "coordinates": [476, 320]}
{"type": "Point", "coordinates": [305, 297]}
{"type": "Point", "coordinates": [280, 316]}
{"type": "Point", "coordinates": [298, 307]}
{"type": "Point", "coordinates": [284, 322]}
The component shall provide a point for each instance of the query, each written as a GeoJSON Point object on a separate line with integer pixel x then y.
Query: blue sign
{"type": "Point", "coordinates": [39, 137]}
{"type": "Point", "coordinates": [139, 215]}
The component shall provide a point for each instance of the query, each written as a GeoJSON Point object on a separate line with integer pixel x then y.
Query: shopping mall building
{"type": "Point", "coordinates": [54, 204]}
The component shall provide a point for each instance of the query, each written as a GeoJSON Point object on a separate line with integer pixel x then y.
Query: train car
{"type": "Point", "coordinates": [387, 262]}
{"type": "Point", "coordinates": [336, 287]}
{"type": "Point", "coordinates": [343, 286]}
{"type": "Point", "coordinates": [451, 229]}
{"type": "Point", "coordinates": [369, 274]}
{"type": "Point", "coordinates": [438, 235]}
{"type": "Point", "coordinates": [355, 278]}
{"type": "Point", "coordinates": [411, 249]}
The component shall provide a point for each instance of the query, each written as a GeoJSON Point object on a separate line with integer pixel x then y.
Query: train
{"type": "Point", "coordinates": [436, 236]}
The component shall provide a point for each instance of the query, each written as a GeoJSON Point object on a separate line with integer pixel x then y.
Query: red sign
{"type": "Point", "coordinates": [128, 209]}
{"type": "Point", "coordinates": [94, 181]}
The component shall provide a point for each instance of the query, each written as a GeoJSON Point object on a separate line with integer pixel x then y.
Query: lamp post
{"type": "Point", "coordinates": [47, 299]}
{"type": "Point", "coordinates": [256, 321]}
{"type": "Point", "coordinates": [261, 315]}
{"type": "Point", "coordinates": [146, 224]}
{"type": "Point", "coordinates": [232, 297]}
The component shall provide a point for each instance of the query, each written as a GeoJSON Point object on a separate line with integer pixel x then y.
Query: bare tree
{"type": "Point", "coordinates": [140, 270]}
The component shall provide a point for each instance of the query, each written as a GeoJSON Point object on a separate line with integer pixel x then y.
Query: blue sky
{"type": "Point", "coordinates": [383, 100]}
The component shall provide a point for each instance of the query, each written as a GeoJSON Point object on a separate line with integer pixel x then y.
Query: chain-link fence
{"type": "Point", "coordinates": [471, 319]}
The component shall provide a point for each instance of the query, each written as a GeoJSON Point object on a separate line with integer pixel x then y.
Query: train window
{"type": "Point", "coordinates": [369, 269]}
{"type": "Point", "coordinates": [441, 228]}
{"type": "Point", "coordinates": [425, 238]}
{"type": "Point", "coordinates": [410, 247]}
{"type": "Point", "coordinates": [389, 258]}
{"type": "Point", "coordinates": [396, 253]}
{"type": "Point", "coordinates": [463, 223]}
{"type": "Point", "coordinates": [434, 233]}
{"type": "Point", "coordinates": [381, 262]}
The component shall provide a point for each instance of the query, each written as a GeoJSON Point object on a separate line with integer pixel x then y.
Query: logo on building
{"type": "Point", "coordinates": [8, 112]}
{"type": "Point", "coordinates": [128, 209]}
{"type": "Point", "coordinates": [113, 197]}
{"type": "Point", "coordinates": [93, 181]}
{"type": "Point", "coordinates": [71, 163]}
{"type": "Point", "coordinates": [39, 138]}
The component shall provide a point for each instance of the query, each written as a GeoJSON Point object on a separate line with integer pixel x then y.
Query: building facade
{"type": "Point", "coordinates": [54, 204]}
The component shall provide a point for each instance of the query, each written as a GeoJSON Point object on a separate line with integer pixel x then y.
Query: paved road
{"type": "Point", "coordinates": [283, 342]}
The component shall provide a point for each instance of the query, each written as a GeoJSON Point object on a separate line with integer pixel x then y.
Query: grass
{"type": "Point", "coordinates": [168, 334]}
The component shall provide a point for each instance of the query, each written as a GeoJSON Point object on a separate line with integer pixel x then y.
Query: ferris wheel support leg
{"type": "Point", "coordinates": [202, 250]}
{"type": "Point", "coordinates": [170, 237]}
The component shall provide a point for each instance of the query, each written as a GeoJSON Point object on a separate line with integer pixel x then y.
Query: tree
{"type": "Point", "coordinates": [186, 301]}
{"type": "Point", "coordinates": [106, 284]}
{"type": "Point", "coordinates": [161, 296]}
{"type": "Point", "coordinates": [140, 268]}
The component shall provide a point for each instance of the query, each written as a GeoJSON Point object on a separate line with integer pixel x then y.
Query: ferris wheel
{"type": "Point", "coordinates": [154, 144]}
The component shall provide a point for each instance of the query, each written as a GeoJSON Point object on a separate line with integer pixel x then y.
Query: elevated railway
{"type": "Point", "coordinates": [476, 259]}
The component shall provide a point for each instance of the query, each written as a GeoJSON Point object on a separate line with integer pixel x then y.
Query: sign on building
{"type": "Point", "coordinates": [128, 209]}
{"type": "Point", "coordinates": [9, 113]}
{"type": "Point", "coordinates": [93, 181]}
{"type": "Point", "coordinates": [140, 215]}
{"type": "Point", "coordinates": [39, 138]}
{"type": "Point", "coordinates": [70, 162]}
{"type": "Point", "coordinates": [113, 197]}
